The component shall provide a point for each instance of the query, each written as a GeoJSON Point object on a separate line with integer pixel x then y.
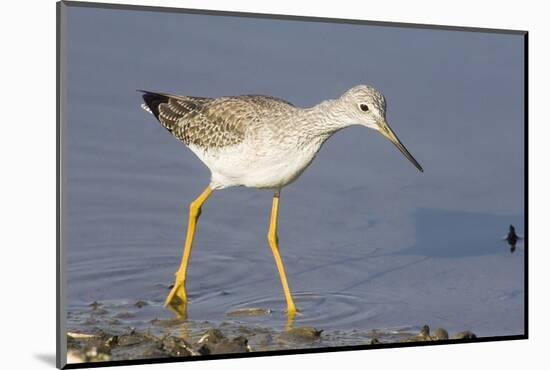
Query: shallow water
{"type": "Point", "coordinates": [367, 241]}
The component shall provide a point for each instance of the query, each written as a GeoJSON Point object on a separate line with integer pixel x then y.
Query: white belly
{"type": "Point", "coordinates": [242, 166]}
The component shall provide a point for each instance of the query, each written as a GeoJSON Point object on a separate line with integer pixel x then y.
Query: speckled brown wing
{"type": "Point", "coordinates": [210, 123]}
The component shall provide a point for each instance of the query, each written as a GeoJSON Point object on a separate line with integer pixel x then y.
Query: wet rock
{"type": "Point", "coordinates": [95, 305]}
{"type": "Point", "coordinates": [212, 336]}
{"type": "Point", "coordinates": [465, 335]}
{"type": "Point", "coordinates": [306, 333]}
{"type": "Point", "coordinates": [214, 342]}
{"type": "Point", "coordinates": [151, 352]}
{"type": "Point", "coordinates": [263, 339]}
{"type": "Point", "coordinates": [246, 312]}
{"type": "Point", "coordinates": [424, 334]}
{"type": "Point", "coordinates": [80, 336]}
{"type": "Point", "coordinates": [440, 334]}
{"type": "Point", "coordinates": [130, 339]}
{"type": "Point", "coordinates": [75, 357]}
{"type": "Point", "coordinates": [235, 345]}
{"type": "Point", "coordinates": [141, 304]}
{"type": "Point", "coordinates": [124, 315]}
{"type": "Point", "coordinates": [87, 350]}
{"type": "Point", "coordinates": [112, 341]}
{"type": "Point", "coordinates": [95, 354]}
{"type": "Point", "coordinates": [177, 347]}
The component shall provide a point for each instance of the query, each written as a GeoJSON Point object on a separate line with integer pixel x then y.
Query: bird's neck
{"type": "Point", "coordinates": [325, 118]}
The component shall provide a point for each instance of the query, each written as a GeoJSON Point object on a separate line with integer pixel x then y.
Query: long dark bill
{"type": "Point", "coordinates": [386, 130]}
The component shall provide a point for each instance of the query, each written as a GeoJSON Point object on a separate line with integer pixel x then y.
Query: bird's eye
{"type": "Point", "coordinates": [364, 107]}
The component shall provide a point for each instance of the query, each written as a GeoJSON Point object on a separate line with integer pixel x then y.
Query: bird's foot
{"type": "Point", "coordinates": [294, 312]}
{"type": "Point", "coordinates": [291, 309]}
{"type": "Point", "coordinates": [177, 295]}
{"type": "Point", "coordinates": [177, 300]}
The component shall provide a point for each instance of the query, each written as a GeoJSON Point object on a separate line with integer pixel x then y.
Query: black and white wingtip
{"type": "Point", "coordinates": [146, 108]}
{"type": "Point", "coordinates": [152, 101]}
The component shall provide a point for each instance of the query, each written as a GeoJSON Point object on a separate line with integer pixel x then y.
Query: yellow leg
{"type": "Point", "coordinates": [274, 244]}
{"type": "Point", "coordinates": [178, 291]}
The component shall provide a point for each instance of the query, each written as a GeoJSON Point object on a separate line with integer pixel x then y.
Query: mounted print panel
{"type": "Point", "coordinates": [235, 184]}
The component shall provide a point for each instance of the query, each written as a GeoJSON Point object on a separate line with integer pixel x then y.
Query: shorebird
{"type": "Point", "coordinates": [512, 238]}
{"type": "Point", "coordinates": [260, 142]}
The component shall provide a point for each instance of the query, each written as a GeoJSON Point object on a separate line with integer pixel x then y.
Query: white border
{"type": "Point", "coordinates": [27, 153]}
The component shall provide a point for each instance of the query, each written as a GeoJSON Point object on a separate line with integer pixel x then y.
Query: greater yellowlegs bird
{"type": "Point", "coordinates": [261, 142]}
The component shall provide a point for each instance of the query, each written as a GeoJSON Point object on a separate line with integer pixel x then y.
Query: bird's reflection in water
{"type": "Point", "coordinates": [180, 309]}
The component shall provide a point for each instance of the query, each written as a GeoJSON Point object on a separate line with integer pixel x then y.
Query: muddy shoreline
{"type": "Point", "coordinates": [98, 336]}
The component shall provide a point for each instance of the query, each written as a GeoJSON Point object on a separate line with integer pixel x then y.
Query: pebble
{"type": "Point", "coordinates": [90, 354]}
{"type": "Point", "coordinates": [440, 334]}
{"type": "Point", "coordinates": [214, 342]}
{"type": "Point", "coordinates": [75, 357]}
{"type": "Point", "coordinates": [263, 339]}
{"type": "Point", "coordinates": [465, 335]}
{"type": "Point", "coordinates": [301, 333]}
{"type": "Point", "coordinates": [141, 304]}
{"type": "Point", "coordinates": [82, 335]}
{"type": "Point", "coordinates": [424, 333]}
{"type": "Point", "coordinates": [177, 347]}
{"type": "Point", "coordinates": [243, 312]}
{"type": "Point", "coordinates": [95, 305]}
{"type": "Point", "coordinates": [124, 315]}
{"type": "Point", "coordinates": [211, 336]}
{"type": "Point", "coordinates": [129, 339]}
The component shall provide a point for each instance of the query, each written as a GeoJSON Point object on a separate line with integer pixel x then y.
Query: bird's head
{"type": "Point", "coordinates": [366, 106]}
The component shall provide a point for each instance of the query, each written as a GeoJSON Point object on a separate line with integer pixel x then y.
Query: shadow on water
{"type": "Point", "coordinates": [457, 234]}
